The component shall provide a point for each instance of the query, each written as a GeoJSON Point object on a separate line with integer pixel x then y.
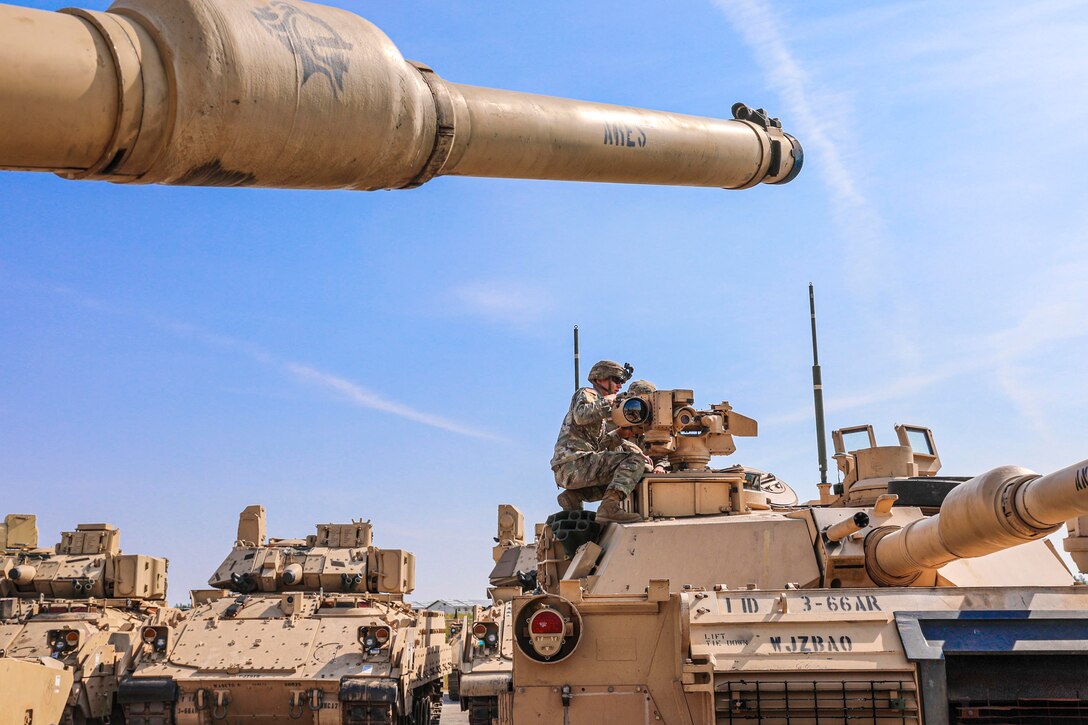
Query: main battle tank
{"type": "Point", "coordinates": [898, 596]}
{"type": "Point", "coordinates": [84, 607]}
{"type": "Point", "coordinates": [291, 94]}
{"type": "Point", "coordinates": [312, 630]}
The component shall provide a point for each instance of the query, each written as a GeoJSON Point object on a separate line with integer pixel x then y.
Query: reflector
{"type": "Point", "coordinates": [546, 621]}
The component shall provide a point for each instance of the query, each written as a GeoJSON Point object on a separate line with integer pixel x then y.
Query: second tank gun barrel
{"type": "Point", "coordinates": [1000, 509]}
{"type": "Point", "coordinates": [289, 94]}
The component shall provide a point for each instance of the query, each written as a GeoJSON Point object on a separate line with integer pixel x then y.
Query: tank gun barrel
{"type": "Point", "coordinates": [289, 94]}
{"type": "Point", "coordinates": [1000, 509]}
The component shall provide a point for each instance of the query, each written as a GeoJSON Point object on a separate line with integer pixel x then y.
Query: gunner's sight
{"type": "Point", "coordinates": [672, 427]}
{"type": "Point", "coordinates": [636, 411]}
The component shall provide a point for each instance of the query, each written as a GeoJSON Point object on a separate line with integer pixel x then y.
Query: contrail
{"type": "Point", "coordinates": [346, 389]}
{"type": "Point", "coordinates": [854, 214]}
{"type": "Point", "coordinates": [366, 399]}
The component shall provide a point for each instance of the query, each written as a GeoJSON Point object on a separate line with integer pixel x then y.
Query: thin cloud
{"type": "Point", "coordinates": [861, 224]}
{"type": "Point", "coordinates": [1056, 311]}
{"type": "Point", "coordinates": [506, 301]}
{"type": "Point", "coordinates": [896, 389]}
{"type": "Point", "coordinates": [1055, 314]}
{"type": "Point", "coordinates": [1019, 44]}
{"type": "Point", "coordinates": [362, 397]}
{"type": "Point", "coordinates": [345, 389]}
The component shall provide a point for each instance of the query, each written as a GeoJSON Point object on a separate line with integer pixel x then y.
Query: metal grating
{"type": "Point", "coordinates": [1021, 712]}
{"type": "Point", "coordinates": [800, 702]}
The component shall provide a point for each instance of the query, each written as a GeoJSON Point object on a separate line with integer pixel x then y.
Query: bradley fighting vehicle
{"type": "Point", "coordinates": [898, 596]}
{"type": "Point", "coordinates": [74, 619]}
{"type": "Point", "coordinates": [312, 630]}
{"type": "Point", "coordinates": [483, 674]}
{"type": "Point", "coordinates": [291, 94]}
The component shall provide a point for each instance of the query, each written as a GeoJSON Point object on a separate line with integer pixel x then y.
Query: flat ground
{"type": "Point", "coordinates": [451, 713]}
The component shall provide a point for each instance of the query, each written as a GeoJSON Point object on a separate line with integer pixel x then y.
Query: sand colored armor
{"type": "Point", "coordinates": [74, 619]}
{"type": "Point", "coordinates": [290, 94]}
{"type": "Point", "coordinates": [899, 596]}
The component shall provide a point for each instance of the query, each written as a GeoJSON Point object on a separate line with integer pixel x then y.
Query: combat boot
{"type": "Point", "coordinates": [610, 509]}
{"type": "Point", "coordinates": [569, 501]}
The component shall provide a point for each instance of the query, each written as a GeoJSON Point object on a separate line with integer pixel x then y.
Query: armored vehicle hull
{"type": "Point", "coordinates": [312, 630]}
{"type": "Point", "coordinates": [246, 658]}
{"type": "Point", "coordinates": [34, 692]}
{"type": "Point", "coordinates": [486, 665]}
{"type": "Point", "coordinates": [97, 642]}
{"type": "Point", "coordinates": [485, 661]}
{"type": "Point", "coordinates": [874, 655]}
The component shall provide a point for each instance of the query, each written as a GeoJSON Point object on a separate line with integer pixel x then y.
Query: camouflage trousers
{"type": "Point", "coordinates": [592, 475]}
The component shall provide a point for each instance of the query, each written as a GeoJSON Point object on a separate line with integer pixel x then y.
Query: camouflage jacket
{"type": "Point", "coordinates": [587, 428]}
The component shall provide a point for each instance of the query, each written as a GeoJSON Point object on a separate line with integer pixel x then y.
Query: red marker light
{"type": "Point", "coordinates": [546, 621]}
{"type": "Point", "coordinates": [381, 634]}
{"type": "Point", "coordinates": [149, 634]}
{"type": "Point", "coordinates": [71, 638]}
{"type": "Point", "coordinates": [479, 629]}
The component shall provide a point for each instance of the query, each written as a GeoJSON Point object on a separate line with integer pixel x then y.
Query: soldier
{"type": "Point", "coordinates": [591, 461]}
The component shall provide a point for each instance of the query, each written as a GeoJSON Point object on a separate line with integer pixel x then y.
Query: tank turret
{"type": "Point", "coordinates": [296, 629]}
{"type": "Point", "coordinates": [290, 94]}
{"type": "Point", "coordinates": [338, 558]}
{"type": "Point", "coordinates": [87, 562]}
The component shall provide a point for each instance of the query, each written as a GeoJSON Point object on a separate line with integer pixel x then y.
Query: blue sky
{"type": "Point", "coordinates": [172, 355]}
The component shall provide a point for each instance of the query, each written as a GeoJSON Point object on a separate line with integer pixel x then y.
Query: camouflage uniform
{"type": "Point", "coordinates": [590, 457]}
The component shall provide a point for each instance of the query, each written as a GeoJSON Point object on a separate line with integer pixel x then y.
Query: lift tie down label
{"type": "Point", "coordinates": [821, 641]}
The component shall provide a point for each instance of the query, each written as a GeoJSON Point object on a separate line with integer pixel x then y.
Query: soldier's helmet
{"type": "Point", "coordinates": [604, 369]}
{"type": "Point", "coordinates": [641, 387]}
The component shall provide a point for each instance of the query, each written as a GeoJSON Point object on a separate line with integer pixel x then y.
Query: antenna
{"type": "Point", "coordinates": [577, 377]}
{"type": "Point", "coordinates": [818, 393]}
